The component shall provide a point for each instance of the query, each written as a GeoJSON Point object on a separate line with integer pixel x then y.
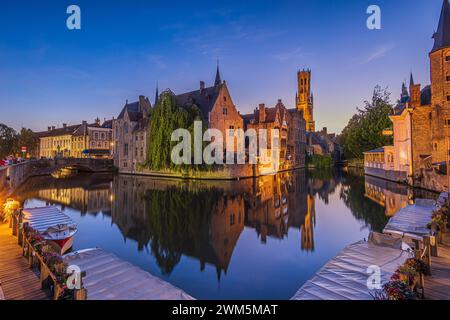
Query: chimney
{"type": "Point", "coordinates": [64, 125]}
{"type": "Point", "coordinates": [49, 128]}
{"type": "Point", "coordinates": [325, 130]}
{"type": "Point", "coordinates": [53, 127]}
{"type": "Point", "coordinates": [262, 112]}
{"type": "Point", "coordinates": [202, 86]}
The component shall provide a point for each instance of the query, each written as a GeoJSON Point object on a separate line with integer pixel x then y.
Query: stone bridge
{"type": "Point", "coordinates": [83, 164]}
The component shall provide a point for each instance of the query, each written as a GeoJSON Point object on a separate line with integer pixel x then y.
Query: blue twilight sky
{"type": "Point", "coordinates": [50, 75]}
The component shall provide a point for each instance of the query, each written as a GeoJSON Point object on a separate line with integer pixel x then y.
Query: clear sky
{"type": "Point", "coordinates": [50, 75]}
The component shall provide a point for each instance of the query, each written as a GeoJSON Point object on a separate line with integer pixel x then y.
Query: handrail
{"type": "Point", "coordinates": [31, 254]}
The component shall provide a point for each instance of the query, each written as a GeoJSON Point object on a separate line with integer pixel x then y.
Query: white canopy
{"type": "Point", "coordinates": [412, 220]}
{"type": "Point", "coordinates": [345, 276]}
{"type": "Point", "coordinates": [110, 278]}
{"type": "Point", "coordinates": [41, 219]}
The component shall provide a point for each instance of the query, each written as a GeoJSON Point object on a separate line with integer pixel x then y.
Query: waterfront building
{"type": "Point", "coordinates": [292, 128]}
{"type": "Point", "coordinates": [76, 141]}
{"type": "Point", "coordinates": [217, 107]}
{"type": "Point", "coordinates": [218, 112]}
{"type": "Point", "coordinates": [421, 124]}
{"type": "Point", "coordinates": [323, 143]}
{"type": "Point", "coordinates": [130, 135]}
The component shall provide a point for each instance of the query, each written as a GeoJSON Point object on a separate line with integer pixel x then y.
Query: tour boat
{"type": "Point", "coordinates": [54, 226]}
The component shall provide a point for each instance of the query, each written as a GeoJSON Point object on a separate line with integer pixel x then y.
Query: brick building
{"type": "Point", "coordinates": [305, 99]}
{"type": "Point", "coordinates": [291, 126]}
{"type": "Point", "coordinates": [219, 112]}
{"type": "Point", "coordinates": [421, 123]}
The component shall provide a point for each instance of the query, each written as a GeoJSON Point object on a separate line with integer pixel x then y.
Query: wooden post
{"type": "Point", "coordinates": [81, 294]}
{"type": "Point", "coordinates": [20, 229]}
{"type": "Point", "coordinates": [427, 248]}
{"type": "Point", "coordinates": [435, 248]}
{"type": "Point", "coordinates": [14, 224]}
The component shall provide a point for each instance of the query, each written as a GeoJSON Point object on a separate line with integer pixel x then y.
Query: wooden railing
{"type": "Point", "coordinates": [48, 278]}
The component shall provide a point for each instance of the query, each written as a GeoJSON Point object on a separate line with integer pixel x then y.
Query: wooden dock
{"type": "Point", "coordinates": [437, 286]}
{"type": "Point", "coordinates": [17, 280]}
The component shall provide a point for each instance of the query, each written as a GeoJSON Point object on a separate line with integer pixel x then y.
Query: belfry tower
{"type": "Point", "coordinates": [305, 99]}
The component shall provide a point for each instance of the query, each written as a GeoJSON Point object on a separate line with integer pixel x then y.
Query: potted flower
{"type": "Point", "coordinates": [398, 290]}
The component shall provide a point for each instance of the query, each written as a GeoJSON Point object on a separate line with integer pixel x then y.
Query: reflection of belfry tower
{"type": "Point", "coordinates": [305, 99]}
{"type": "Point", "coordinates": [308, 226]}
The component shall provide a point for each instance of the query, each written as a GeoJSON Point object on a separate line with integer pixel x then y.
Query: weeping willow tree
{"type": "Point", "coordinates": [166, 117]}
{"type": "Point", "coordinates": [178, 221]}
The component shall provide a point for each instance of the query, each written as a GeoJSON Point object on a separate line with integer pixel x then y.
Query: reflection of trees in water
{"type": "Point", "coordinates": [177, 218]}
{"type": "Point", "coordinates": [353, 195]}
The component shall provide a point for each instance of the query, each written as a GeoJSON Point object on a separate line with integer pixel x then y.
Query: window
{"type": "Point", "coordinates": [96, 136]}
{"type": "Point", "coordinates": [224, 98]}
{"type": "Point", "coordinates": [136, 152]}
{"type": "Point", "coordinates": [136, 137]}
{"type": "Point", "coordinates": [448, 78]}
{"type": "Point", "coordinates": [103, 136]}
{"type": "Point", "coordinates": [125, 149]}
{"type": "Point", "coordinates": [232, 219]}
{"type": "Point", "coordinates": [125, 164]}
{"type": "Point", "coordinates": [225, 111]}
{"type": "Point", "coordinates": [447, 58]}
{"type": "Point", "coordinates": [125, 127]}
{"type": "Point", "coordinates": [448, 98]}
{"type": "Point", "coordinates": [447, 122]}
{"type": "Point", "coordinates": [142, 151]}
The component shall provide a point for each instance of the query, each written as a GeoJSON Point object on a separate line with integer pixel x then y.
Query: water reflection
{"type": "Point", "coordinates": [312, 215]}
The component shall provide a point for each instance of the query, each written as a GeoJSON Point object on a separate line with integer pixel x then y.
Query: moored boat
{"type": "Point", "coordinates": [55, 226]}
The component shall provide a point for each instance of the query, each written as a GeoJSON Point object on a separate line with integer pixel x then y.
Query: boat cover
{"type": "Point", "coordinates": [110, 278]}
{"type": "Point", "coordinates": [413, 219]}
{"type": "Point", "coordinates": [45, 218]}
{"type": "Point", "coordinates": [345, 276]}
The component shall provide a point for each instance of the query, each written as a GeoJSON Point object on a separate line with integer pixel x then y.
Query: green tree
{"type": "Point", "coordinates": [26, 138]}
{"type": "Point", "coordinates": [364, 131]}
{"type": "Point", "coordinates": [166, 117]}
{"type": "Point", "coordinates": [8, 138]}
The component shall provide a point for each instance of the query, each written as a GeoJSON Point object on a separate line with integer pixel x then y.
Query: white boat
{"type": "Point", "coordinates": [54, 226]}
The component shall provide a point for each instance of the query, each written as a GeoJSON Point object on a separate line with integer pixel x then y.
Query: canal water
{"type": "Point", "coordinates": [252, 239]}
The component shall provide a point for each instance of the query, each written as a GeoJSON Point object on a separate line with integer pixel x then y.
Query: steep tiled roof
{"type": "Point", "coordinates": [58, 131]}
{"type": "Point", "coordinates": [204, 99]}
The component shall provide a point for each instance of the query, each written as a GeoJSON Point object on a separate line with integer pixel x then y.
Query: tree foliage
{"type": "Point", "coordinates": [364, 131]}
{"type": "Point", "coordinates": [166, 117]}
{"type": "Point", "coordinates": [8, 139]}
{"type": "Point", "coordinates": [11, 142]}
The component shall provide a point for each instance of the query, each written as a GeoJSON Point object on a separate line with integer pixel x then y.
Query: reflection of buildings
{"type": "Point", "coordinates": [390, 195]}
{"type": "Point", "coordinates": [307, 229]}
{"type": "Point", "coordinates": [199, 219]}
{"type": "Point", "coordinates": [86, 194]}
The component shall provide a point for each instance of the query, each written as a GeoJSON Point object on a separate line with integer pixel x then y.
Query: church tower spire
{"type": "Point", "coordinates": [218, 80]}
{"type": "Point", "coordinates": [156, 94]}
